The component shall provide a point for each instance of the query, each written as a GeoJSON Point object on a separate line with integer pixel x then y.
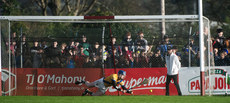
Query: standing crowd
{"type": "Point", "coordinates": [127, 54]}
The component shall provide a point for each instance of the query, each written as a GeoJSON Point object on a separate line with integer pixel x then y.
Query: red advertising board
{"type": "Point", "coordinates": [0, 83]}
{"type": "Point", "coordinates": [54, 82]}
{"type": "Point", "coordinates": [60, 81]}
{"type": "Point", "coordinates": [156, 85]}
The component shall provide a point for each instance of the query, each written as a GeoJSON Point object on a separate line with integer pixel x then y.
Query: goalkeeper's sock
{"type": "Point", "coordinates": [79, 82]}
{"type": "Point", "coordinates": [90, 93]}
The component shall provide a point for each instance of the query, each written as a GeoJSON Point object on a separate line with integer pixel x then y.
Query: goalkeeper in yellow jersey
{"type": "Point", "coordinates": [105, 82]}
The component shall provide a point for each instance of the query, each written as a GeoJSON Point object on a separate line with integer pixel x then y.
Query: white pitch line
{"type": "Point", "coordinates": [149, 88]}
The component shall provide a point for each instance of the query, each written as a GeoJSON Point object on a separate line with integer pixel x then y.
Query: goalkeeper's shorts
{"type": "Point", "coordinates": [100, 85]}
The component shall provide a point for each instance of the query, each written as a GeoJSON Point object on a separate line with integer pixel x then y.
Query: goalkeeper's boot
{"type": "Point", "coordinates": [86, 92]}
{"type": "Point", "coordinates": [79, 82]}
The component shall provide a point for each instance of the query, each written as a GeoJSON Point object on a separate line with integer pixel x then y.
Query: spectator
{"type": "Point", "coordinates": [36, 55]}
{"type": "Point", "coordinates": [116, 46]}
{"type": "Point", "coordinates": [220, 39]}
{"type": "Point", "coordinates": [80, 58]}
{"type": "Point", "coordinates": [223, 60]}
{"type": "Point", "coordinates": [43, 45]}
{"type": "Point", "coordinates": [128, 42]}
{"type": "Point", "coordinates": [14, 37]}
{"type": "Point", "coordinates": [64, 50]}
{"type": "Point", "coordinates": [87, 63]}
{"type": "Point", "coordinates": [156, 60]}
{"type": "Point", "coordinates": [149, 50]}
{"type": "Point", "coordinates": [112, 59]}
{"type": "Point", "coordinates": [64, 55]}
{"type": "Point", "coordinates": [216, 54]}
{"type": "Point", "coordinates": [77, 44]}
{"type": "Point", "coordinates": [128, 56]}
{"type": "Point", "coordinates": [86, 46]}
{"type": "Point", "coordinates": [123, 62]}
{"type": "Point", "coordinates": [217, 44]}
{"type": "Point", "coordinates": [142, 60]}
{"type": "Point", "coordinates": [96, 50]}
{"type": "Point", "coordinates": [13, 47]}
{"type": "Point", "coordinates": [71, 45]}
{"type": "Point", "coordinates": [185, 58]}
{"type": "Point", "coordinates": [70, 62]}
{"type": "Point", "coordinates": [53, 54]}
{"type": "Point", "coordinates": [25, 45]}
{"type": "Point", "coordinates": [164, 45]}
{"type": "Point", "coordinates": [193, 50]}
{"type": "Point", "coordinates": [96, 63]}
{"type": "Point", "coordinates": [141, 43]}
{"type": "Point", "coordinates": [105, 53]}
{"type": "Point", "coordinates": [83, 52]}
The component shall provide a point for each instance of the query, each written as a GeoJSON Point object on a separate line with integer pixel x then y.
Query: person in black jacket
{"type": "Point", "coordinates": [156, 60]}
{"type": "Point", "coordinates": [53, 54]}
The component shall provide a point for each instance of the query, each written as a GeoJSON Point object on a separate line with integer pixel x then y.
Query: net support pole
{"type": "Point", "coordinates": [21, 43]}
{"type": "Point", "coordinates": [189, 50]}
{"type": "Point", "coordinates": [226, 84]}
{"type": "Point", "coordinates": [103, 43]}
{"type": "Point", "coordinates": [9, 43]}
{"type": "Point", "coordinates": [0, 59]}
{"type": "Point", "coordinates": [201, 45]}
{"type": "Point", "coordinates": [163, 31]}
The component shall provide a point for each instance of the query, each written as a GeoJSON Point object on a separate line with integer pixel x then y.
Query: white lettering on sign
{"type": "Point", "coordinates": [53, 79]}
{"type": "Point", "coordinates": [218, 84]}
{"type": "Point", "coordinates": [30, 79]}
{"type": "Point", "coordinates": [153, 81]}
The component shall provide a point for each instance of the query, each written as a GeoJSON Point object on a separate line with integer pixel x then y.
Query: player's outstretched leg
{"type": "Point", "coordinates": [88, 84]}
{"type": "Point", "coordinates": [97, 93]}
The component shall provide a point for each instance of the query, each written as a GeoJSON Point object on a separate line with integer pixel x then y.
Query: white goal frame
{"type": "Point", "coordinates": [118, 19]}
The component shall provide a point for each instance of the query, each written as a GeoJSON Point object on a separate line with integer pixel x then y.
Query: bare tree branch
{"type": "Point", "coordinates": [43, 5]}
{"type": "Point", "coordinates": [5, 2]}
{"type": "Point", "coordinates": [89, 8]}
{"type": "Point", "coordinates": [67, 5]}
{"type": "Point", "coordinates": [77, 8]}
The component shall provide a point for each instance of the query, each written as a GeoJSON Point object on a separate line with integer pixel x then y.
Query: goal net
{"type": "Point", "coordinates": [93, 44]}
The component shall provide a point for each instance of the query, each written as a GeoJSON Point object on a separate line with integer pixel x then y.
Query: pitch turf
{"type": "Point", "coordinates": [115, 99]}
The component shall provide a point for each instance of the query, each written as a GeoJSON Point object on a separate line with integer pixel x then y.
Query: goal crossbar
{"type": "Point", "coordinates": [101, 18]}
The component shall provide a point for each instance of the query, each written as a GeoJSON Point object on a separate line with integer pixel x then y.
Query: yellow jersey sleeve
{"type": "Point", "coordinates": [114, 77]}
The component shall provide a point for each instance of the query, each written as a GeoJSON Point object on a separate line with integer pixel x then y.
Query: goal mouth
{"type": "Point", "coordinates": [102, 29]}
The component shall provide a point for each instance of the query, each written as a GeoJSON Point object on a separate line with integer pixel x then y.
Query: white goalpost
{"type": "Point", "coordinates": [201, 45]}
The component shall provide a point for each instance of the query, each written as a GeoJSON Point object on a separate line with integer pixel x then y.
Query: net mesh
{"type": "Point", "coordinates": [146, 51]}
{"type": "Point", "coordinates": [208, 59]}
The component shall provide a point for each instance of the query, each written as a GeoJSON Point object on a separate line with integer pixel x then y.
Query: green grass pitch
{"type": "Point", "coordinates": [114, 99]}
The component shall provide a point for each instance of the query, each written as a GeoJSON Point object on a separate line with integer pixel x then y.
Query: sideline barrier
{"type": "Point", "coordinates": [189, 81]}
{"type": "Point", "coordinates": [60, 81]}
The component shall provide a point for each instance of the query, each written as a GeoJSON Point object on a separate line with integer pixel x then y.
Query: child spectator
{"type": "Point", "coordinates": [156, 60]}
{"type": "Point", "coordinates": [141, 43]}
{"type": "Point", "coordinates": [223, 60]}
{"type": "Point", "coordinates": [128, 42]}
{"type": "Point", "coordinates": [70, 62]}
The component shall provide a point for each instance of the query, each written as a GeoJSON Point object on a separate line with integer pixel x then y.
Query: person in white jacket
{"type": "Point", "coordinates": [173, 65]}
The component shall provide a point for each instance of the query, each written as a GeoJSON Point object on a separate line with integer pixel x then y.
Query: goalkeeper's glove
{"type": "Point", "coordinates": [119, 89]}
{"type": "Point", "coordinates": [129, 91]}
